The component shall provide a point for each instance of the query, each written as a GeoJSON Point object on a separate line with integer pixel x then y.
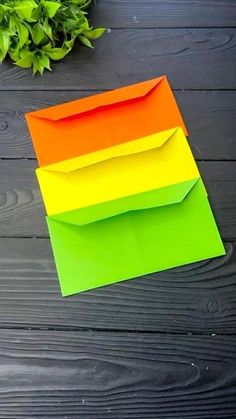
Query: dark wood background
{"type": "Point", "coordinates": [162, 346]}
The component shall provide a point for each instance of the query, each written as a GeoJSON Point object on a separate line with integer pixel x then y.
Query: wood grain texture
{"type": "Point", "coordinates": [162, 13]}
{"type": "Point", "coordinates": [192, 59]}
{"type": "Point", "coordinates": [21, 206]}
{"type": "Point", "coordinates": [144, 348]}
{"type": "Point", "coordinates": [22, 212]}
{"type": "Point", "coordinates": [210, 117]}
{"type": "Point", "coordinates": [197, 298]}
{"type": "Point", "coordinates": [113, 375]}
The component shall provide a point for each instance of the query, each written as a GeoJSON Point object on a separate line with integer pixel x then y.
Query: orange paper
{"type": "Point", "coordinates": [75, 128]}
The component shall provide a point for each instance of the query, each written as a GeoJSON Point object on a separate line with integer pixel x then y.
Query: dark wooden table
{"type": "Point", "coordinates": [163, 346]}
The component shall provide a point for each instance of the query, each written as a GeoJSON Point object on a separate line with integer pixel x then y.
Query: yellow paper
{"type": "Point", "coordinates": [141, 165]}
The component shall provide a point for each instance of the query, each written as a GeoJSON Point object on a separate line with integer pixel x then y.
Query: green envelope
{"type": "Point", "coordinates": [134, 236]}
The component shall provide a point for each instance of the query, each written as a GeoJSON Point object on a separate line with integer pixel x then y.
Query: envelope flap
{"type": "Point", "coordinates": [92, 103]}
{"type": "Point", "coordinates": [124, 149]}
{"type": "Point", "coordinates": [161, 197]}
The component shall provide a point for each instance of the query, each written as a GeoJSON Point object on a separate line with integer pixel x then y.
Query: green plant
{"type": "Point", "coordinates": [34, 32]}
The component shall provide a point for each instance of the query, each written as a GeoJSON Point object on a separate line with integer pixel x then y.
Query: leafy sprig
{"type": "Point", "coordinates": [34, 32]}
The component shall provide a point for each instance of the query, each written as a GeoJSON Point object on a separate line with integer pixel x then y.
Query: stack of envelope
{"type": "Point", "coordinates": [122, 191]}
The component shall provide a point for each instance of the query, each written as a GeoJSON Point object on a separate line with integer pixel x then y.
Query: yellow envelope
{"type": "Point", "coordinates": [131, 168]}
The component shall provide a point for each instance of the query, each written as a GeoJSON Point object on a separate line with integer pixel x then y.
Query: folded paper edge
{"type": "Point", "coordinates": [112, 152]}
{"type": "Point", "coordinates": [57, 112]}
{"type": "Point", "coordinates": [189, 185]}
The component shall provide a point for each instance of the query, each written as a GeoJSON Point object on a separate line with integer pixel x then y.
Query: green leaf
{"type": "Point", "coordinates": [5, 8]}
{"type": "Point", "coordinates": [85, 24]}
{"type": "Point", "coordinates": [24, 8]}
{"type": "Point", "coordinates": [47, 29]}
{"type": "Point", "coordinates": [94, 33]}
{"type": "Point", "coordinates": [25, 62]}
{"type": "Point", "coordinates": [23, 58]}
{"type": "Point", "coordinates": [69, 44]}
{"type": "Point", "coordinates": [57, 53]}
{"type": "Point", "coordinates": [5, 42]}
{"type": "Point", "coordinates": [2, 56]}
{"type": "Point", "coordinates": [25, 52]}
{"type": "Point", "coordinates": [46, 62]}
{"type": "Point", "coordinates": [84, 3]}
{"type": "Point", "coordinates": [14, 53]}
{"type": "Point", "coordinates": [47, 47]}
{"type": "Point", "coordinates": [51, 7]}
{"type": "Point", "coordinates": [85, 41]}
{"type": "Point", "coordinates": [23, 34]}
{"type": "Point", "coordinates": [37, 33]}
{"type": "Point", "coordinates": [70, 25]}
{"type": "Point", "coordinates": [38, 66]}
{"type": "Point", "coordinates": [98, 32]}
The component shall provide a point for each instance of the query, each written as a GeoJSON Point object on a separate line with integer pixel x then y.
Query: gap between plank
{"type": "Point", "coordinates": [30, 89]}
{"type": "Point", "coordinates": [137, 28]}
{"type": "Point", "coordinates": [104, 330]}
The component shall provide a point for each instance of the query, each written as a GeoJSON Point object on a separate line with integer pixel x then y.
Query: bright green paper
{"type": "Point", "coordinates": [134, 236]}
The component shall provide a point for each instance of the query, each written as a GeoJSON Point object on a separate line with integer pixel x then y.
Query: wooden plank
{"type": "Point", "coordinates": [197, 298]}
{"type": "Point", "coordinates": [22, 212]}
{"type": "Point", "coordinates": [192, 59]}
{"type": "Point", "coordinates": [113, 375]}
{"type": "Point", "coordinates": [160, 13]}
{"type": "Point", "coordinates": [209, 115]}
{"type": "Point", "coordinates": [21, 207]}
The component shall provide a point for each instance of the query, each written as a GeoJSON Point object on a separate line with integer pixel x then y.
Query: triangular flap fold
{"type": "Point", "coordinates": [171, 194]}
{"type": "Point", "coordinates": [91, 103]}
{"type": "Point", "coordinates": [132, 147]}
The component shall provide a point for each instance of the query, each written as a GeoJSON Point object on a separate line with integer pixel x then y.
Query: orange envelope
{"type": "Point", "coordinates": [75, 128]}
